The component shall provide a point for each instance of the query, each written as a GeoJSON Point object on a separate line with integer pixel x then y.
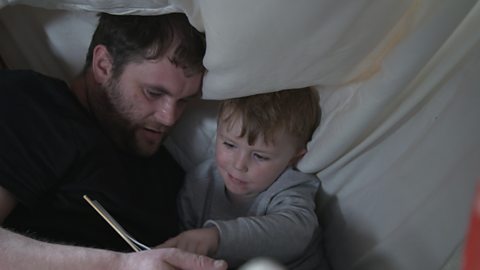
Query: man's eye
{"type": "Point", "coordinates": [153, 93]}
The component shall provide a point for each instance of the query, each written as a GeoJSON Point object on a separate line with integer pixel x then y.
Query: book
{"type": "Point", "coordinates": [132, 242]}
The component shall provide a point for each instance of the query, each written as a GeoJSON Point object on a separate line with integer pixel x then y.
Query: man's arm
{"type": "Point", "coordinates": [18, 252]}
{"type": "Point", "coordinates": [7, 203]}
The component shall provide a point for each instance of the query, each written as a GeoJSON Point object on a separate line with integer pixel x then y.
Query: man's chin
{"type": "Point", "coordinates": [147, 143]}
{"type": "Point", "coordinates": [147, 149]}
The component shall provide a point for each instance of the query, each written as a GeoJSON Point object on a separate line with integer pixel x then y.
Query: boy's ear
{"type": "Point", "coordinates": [101, 64]}
{"type": "Point", "coordinates": [296, 158]}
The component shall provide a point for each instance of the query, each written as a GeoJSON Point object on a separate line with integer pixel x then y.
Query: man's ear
{"type": "Point", "coordinates": [296, 158]}
{"type": "Point", "coordinates": [101, 64]}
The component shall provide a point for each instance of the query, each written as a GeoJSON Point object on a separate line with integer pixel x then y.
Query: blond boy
{"type": "Point", "coordinates": [250, 201]}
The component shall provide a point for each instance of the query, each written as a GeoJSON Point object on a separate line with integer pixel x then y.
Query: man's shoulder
{"type": "Point", "coordinates": [41, 111]}
{"type": "Point", "coordinates": [29, 85]}
{"type": "Point", "coordinates": [21, 77]}
{"type": "Point", "coordinates": [30, 92]}
{"type": "Point", "coordinates": [15, 74]}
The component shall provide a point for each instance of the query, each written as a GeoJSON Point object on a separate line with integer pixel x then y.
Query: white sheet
{"type": "Point", "coordinates": [398, 148]}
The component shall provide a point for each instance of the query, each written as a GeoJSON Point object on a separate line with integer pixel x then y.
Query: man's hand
{"type": "Point", "coordinates": [202, 241]}
{"type": "Point", "coordinates": [18, 252]}
{"type": "Point", "coordinates": [170, 259]}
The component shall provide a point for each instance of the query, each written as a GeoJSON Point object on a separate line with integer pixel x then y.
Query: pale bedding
{"type": "Point", "coordinates": [398, 150]}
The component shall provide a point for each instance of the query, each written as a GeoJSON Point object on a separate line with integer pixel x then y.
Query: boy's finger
{"type": "Point", "coordinates": [170, 243]}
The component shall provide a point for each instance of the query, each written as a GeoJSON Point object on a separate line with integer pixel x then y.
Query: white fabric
{"type": "Point", "coordinates": [145, 7]}
{"type": "Point", "coordinates": [398, 148]}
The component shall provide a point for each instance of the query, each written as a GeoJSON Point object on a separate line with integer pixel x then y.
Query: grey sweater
{"type": "Point", "coordinates": [279, 223]}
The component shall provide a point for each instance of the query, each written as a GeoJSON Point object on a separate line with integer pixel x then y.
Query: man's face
{"type": "Point", "coordinates": [140, 106]}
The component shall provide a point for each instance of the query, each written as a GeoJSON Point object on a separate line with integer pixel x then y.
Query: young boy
{"type": "Point", "coordinates": [250, 201]}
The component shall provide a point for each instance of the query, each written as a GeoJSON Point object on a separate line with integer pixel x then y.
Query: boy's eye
{"type": "Point", "coordinates": [228, 145]}
{"type": "Point", "coordinates": [261, 157]}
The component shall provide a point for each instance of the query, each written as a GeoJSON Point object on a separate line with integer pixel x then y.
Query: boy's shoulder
{"type": "Point", "coordinates": [292, 178]}
{"type": "Point", "coordinates": [203, 168]}
{"type": "Point", "coordinates": [202, 173]}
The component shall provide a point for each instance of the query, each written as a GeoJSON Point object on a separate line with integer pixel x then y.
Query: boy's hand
{"type": "Point", "coordinates": [169, 258]}
{"type": "Point", "coordinates": [202, 241]}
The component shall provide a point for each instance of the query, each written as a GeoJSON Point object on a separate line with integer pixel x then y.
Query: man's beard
{"type": "Point", "coordinates": [117, 118]}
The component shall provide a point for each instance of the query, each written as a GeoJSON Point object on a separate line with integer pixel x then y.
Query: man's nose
{"type": "Point", "coordinates": [167, 113]}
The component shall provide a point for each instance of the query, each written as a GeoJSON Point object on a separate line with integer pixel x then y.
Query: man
{"type": "Point", "coordinates": [101, 136]}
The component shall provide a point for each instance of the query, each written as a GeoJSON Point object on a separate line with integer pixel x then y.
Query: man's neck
{"type": "Point", "coordinates": [79, 87]}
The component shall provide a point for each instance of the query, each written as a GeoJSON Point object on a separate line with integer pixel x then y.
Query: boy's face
{"type": "Point", "coordinates": [249, 169]}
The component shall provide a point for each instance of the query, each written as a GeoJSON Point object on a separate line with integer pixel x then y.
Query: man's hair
{"type": "Point", "coordinates": [295, 111]}
{"type": "Point", "coordinates": [131, 38]}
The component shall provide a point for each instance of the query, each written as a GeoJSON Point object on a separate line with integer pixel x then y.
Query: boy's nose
{"type": "Point", "coordinates": [240, 163]}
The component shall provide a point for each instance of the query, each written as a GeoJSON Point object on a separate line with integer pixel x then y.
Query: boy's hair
{"type": "Point", "coordinates": [130, 38]}
{"type": "Point", "coordinates": [295, 111]}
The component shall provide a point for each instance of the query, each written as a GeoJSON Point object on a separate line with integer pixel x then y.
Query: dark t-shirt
{"type": "Point", "coordinates": [52, 152]}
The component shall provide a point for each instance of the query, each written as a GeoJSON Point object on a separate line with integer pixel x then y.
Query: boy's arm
{"type": "Point", "coordinates": [18, 252]}
{"type": "Point", "coordinates": [203, 241]}
{"type": "Point", "coordinates": [283, 233]}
